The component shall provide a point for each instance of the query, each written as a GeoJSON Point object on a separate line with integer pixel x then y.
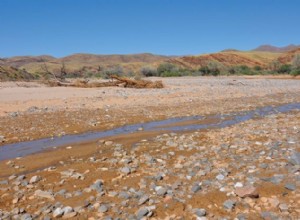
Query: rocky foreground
{"type": "Point", "coordinates": [247, 171]}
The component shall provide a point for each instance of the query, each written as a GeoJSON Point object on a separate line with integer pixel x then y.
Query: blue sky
{"type": "Point", "coordinates": [169, 27]}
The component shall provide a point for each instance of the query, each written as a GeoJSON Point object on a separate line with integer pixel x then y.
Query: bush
{"type": "Point", "coordinates": [257, 68]}
{"type": "Point", "coordinates": [166, 68]}
{"type": "Point", "coordinates": [285, 69]}
{"type": "Point", "coordinates": [116, 70]}
{"type": "Point", "coordinates": [212, 69]}
{"type": "Point", "coordinates": [295, 72]}
{"type": "Point", "coordinates": [296, 66]}
{"type": "Point", "coordinates": [149, 71]}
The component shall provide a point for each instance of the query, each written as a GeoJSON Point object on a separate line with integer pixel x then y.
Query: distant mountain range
{"type": "Point", "coordinates": [91, 63]}
{"type": "Point", "coordinates": [271, 48]}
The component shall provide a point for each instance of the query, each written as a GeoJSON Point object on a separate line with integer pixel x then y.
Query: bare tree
{"type": "Point", "coordinates": [44, 68]}
{"type": "Point", "coordinates": [63, 71]}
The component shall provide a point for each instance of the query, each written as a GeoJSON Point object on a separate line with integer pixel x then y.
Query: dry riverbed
{"type": "Point", "coordinates": [250, 170]}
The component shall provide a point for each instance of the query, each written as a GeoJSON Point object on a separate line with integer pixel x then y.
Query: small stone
{"type": "Point", "coordinates": [238, 184]}
{"type": "Point", "coordinates": [12, 177]}
{"type": "Point", "coordinates": [2, 138]}
{"type": "Point", "coordinates": [69, 215]}
{"type": "Point", "coordinates": [34, 179]}
{"type": "Point", "coordinates": [15, 200]}
{"type": "Point", "coordinates": [274, 202]}
{"type": "Point", "coordinates": [103, 208]}
{"type": "Point", "coordinates": [161, 191]}
{"type": "Point", "coordinates": [290, 186]}
{"type": "Point", "coordinates": [26, 217]}
{"type": "Point", "coordinates": [196, 188]}
{"type": "Point", "coordinates": [199, 212]}
{"type": "Point", "coordinates": [283, 207]}
{"type": "Point", "coordinates": [67, 210]}
{"type": "Point", "coordinates": [220, 177]}
{"type": "Point", "coordinates": [126, 170]}
{"type": "Point", "coordinates": [98, 186]}
{"type": "Point", "coordinates": [268, 215]}
{"type": "Point", "coordinates": [247, 191]}
{"type": "Point", "coordinates": [44, 194]}
{"type": "Point", "coordinates": [229, 204]}
{"type": "Point", "coordinates": [143, 200]}
{"type": "Point", "coordinates": [124, 195]}
{"type": "Point", "coordinates": [295, 158]}
{"type": "Point", "coordinates": [58, 212]}
{"type": "Point", "coordinates": [141, 213]}
{"type": "Point", "coordinates": [4, 182]}
{"type": "Point", "coordinates": [21, 177]}
{"type": "Point", "coordinates": [108, 143]}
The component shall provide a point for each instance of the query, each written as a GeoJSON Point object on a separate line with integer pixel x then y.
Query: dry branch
{"type": "Point", "coordinates": [116, 81]}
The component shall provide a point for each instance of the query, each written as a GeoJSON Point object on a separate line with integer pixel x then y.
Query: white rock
{"type": "Point", "coordinates": [67, 210]}
{"type": "Point", "coordinates": [35, 179]}
{"type": "Point", "coordinates": [58, 213]}
{"type": "Point", "coordinates": [44, 194]}
{"type": "Point", "coordinates": [238, 184]}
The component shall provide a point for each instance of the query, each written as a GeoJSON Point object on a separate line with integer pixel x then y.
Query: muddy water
{"type": "Point", "coordinates": [181, 124]}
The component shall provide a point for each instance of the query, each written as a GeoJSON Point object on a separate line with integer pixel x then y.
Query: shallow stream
{"type": "Point", "coordinates": [180, 124]}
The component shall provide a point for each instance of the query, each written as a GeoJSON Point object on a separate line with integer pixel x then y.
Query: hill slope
{"type": "Point", "coordinates": [230, 58]}
{"type": "Point", "coordinates": [76, 62]}
{"type": "Point", "coordinates": [288, 57]}
{"type": "Point", "coordinates": [8, 73]}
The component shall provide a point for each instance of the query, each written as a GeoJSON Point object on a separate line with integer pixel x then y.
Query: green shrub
{"type": "Point", "coordinates": [295, 72]}
{"type": "Point", "coordinates": [149, 71]}
{"type": "Point", "coordinates": [166, 68]}
{"type": "Point", "coordinates": [257, 68]}
{"type": "Point", "coordinates": [285, 69]}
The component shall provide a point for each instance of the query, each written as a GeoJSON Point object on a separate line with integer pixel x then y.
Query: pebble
{"type": "Point", "coordinates": [98, 186]}
{"type": "Point", "coordinates": [67, 209]}
{"type": "Point", "coordinates": [229, 204]}
{"type": "Point", "coordinates": [58, 212]}
{"type": "Point", "coordinates": [69, 215]}
{"type": "Point", "coordinates": [246, 191]}
{"type": "Point", "coordinates": [26, 217]}
{"type": "Point", "coordinates": [103, 208]}
{"type": "Point", "coordinates": [108, 143]}
{"type": "Point", "coordinates": [220, 177]}
{"type": "Point", "coordinates": [283, 207]}
{"type": "Point", "coordinates": [238, 184]}
{"type": "Point", "coordinates": [295, 158]}
{"type": "Point", "coordinates": [35, 179]}
{"type": "Point", "coordinates": [161, 191]}
{"type": "Point", "coordinates": [143, 200]}
{"type": "Point", "coordinates": [2, 138]}
{"type": "Point", "coordinates": [126, 170]}
{"type": "Point", "coordinates": [142, 212]}
{"type": "Point", "coordinates": [196, 187]}
{"type": "Point", "coordinates": [290, 186]}
{"type": "Point", "coordinates": [44, 194]}
{"type": "Point", "coordinates": [199, 212]}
